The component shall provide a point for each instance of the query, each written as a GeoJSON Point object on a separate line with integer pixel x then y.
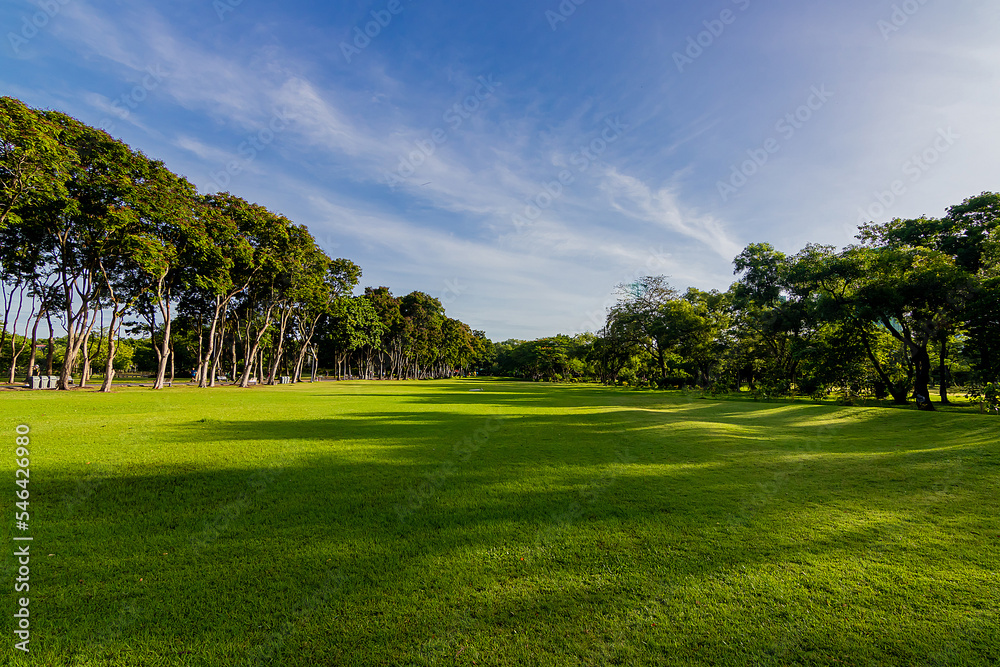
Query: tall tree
{"type": "Point", "coordinates": [269, 236]}
{"type": "Point", "coordinates": [81, 228]}
{"type": "Point", "coordinates": [392, 346]}
{"type": "Point", "coordinates": [34, 164]}
{"type": "Point", "coordinates": [315, 297]}
{"type": "Point", "coordinates": [171, 264]}
{"type": "Point", "coordinates": [914, 294]}
{"type": "Point", "coordinates": [638, 317]}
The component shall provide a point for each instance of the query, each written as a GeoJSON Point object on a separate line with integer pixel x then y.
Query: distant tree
{"type": "Point", "coordinates": [352, 324]}
{"type": "Point", "coordinates": [640, 317]}
{"type": "Point", "coordinates": [423, 317]}
{"type": "Point", "coordinates": [272, 247]}
{"type": "Point", "coordinates": [315, 298]}
{"type": "Point", "coordinates": [485, 354]}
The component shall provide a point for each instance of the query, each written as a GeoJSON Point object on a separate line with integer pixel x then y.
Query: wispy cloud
{"type": "Point", "coordinates": [637, 200]}
{"type": "Point", "coordinates": [655, 187]}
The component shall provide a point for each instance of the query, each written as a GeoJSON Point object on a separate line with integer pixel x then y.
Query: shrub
{"type": "Point", "coordinates": [987, 395]}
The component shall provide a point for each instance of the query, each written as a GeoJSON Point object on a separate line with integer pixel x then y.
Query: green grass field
{"type": "Point", "coordinates": [524, 524]}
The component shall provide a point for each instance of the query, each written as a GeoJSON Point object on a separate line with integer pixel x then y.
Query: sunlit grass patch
{"type": "Point", "coordinates": [421, 524]}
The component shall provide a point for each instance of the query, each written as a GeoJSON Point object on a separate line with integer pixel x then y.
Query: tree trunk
{"type": "Point", "coordinates": [165, 345]}
{"type": "Point", "coordinates": [279, 347]}
{"type": "Point", "coordinates": [51, 349]}
{"type": "Point", "coordinates": [233, 359]}
{"type": "Point", "coordinates": [97, 353]}
{"type": "Point", "coordinates": [921, 379]}
{"type": "Point", "coordinates": [236, 333]}
{"type": "Point", "coordinates": [34, 343]}
{"type": "Point", "coordinates": [74, 341]}
{"type": "Point", "coordinates": [8, 306]}
{"type": "Point", "coordinates": [16, 351]}
{"type": "Point", "coordinates": [100, 341]}
{"type": "Point", "coordinates": [898, 396]}
{"type": "Point", "coordinates": [197, 377]}
{"type": "Point", "coordinates": [85, 372]}
{"type": "Point", "coordinates": [306, 342]}
{"type": "Point", "coordinates": [109, 366]}
{"type": "Point", "coordinates": [78, 328]}
{"type": "Point", "coordinates": [943, 370]}
{"type": "Point", "coordinates": [218, 346]}
{"type": "Point", "coordinates": [206, 358]}
{"type": "Point", "coordinates": [251, 354]}
{"type": "Point", "coordinates": [299, 363]}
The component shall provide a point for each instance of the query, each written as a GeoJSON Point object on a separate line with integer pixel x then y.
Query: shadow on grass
{"type": "Point", "coordinates": [374, 534]}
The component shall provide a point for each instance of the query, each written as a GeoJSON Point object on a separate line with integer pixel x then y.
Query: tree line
{"type": "Point", "coordinates": [912, 303]}
{"type": "Point", "coordinates": [122, 256]}
{"type": "Point", "coordinates": [113, 250]}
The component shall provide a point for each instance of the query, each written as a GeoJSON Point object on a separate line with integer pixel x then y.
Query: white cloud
{"type": "Point", "coordinates": [637, 200]}
{"type": "Point", "coordinates": [452, 219]}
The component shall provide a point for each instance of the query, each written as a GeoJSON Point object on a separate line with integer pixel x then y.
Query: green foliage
{"type": "Point", "coordinates": [88, 226]}
{"type": "Point", "coordinates": [858, 322]}
{"type": "Point", "coordinates": [987, 395]}
{"type": "Point", "coordinates": [33, 161]}
{"type": "Point", "coordinates": [559, 358]}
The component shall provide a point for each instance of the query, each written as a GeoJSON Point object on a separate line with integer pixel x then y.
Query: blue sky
{"type": "Point", "coordinates": [518, 160]}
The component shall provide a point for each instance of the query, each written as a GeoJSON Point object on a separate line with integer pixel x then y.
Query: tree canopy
{"type": "Point", "coordinates": [107, 240]}
{"type": "Point", "coordinates": [106, 252]}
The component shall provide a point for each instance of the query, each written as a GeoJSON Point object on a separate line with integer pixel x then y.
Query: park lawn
{"type": "Point", "coordinates": [524, 524]}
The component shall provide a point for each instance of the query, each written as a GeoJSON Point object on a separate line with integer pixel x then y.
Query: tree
{"type": "Point", "coordinates": [76, 232]}
{"type": "Point", "coordinates": [305, 268]}
{"type": "Point", "coordinates": [179, 250]}
{"type": "Point", "coordinates": [92, 230]}
{"type": "Point", "coordinates": [392, 345]}
{"type": "Point", "coordinates": [706, 347]}
{"type": "Point", "coordinates": [914, 294]}
{"type": "Point", "coordinates": [270, 240]}
{"type": "Point", "coordinates": [315, 299]}
{"type": "Point", "coordinates": [423, 316]}
{"type": "Point", "coordinates": [34, 165]}
{"type": "Point", "coordinates": [775, 313]}
{"type": "Point", "coordinates": [353, 323]}
{"type": "Point", "coordinates": [485, 352]}
{"type": "Point", "coordinates": [23, 276]}
{"type": "Point", "coordinates": [961, 239]}
{"type": "Point", "coordinates": [639, 317]}
{"type": "Point", "coordinates": [972, 237]}
{"type": "Point", "coordinates": [225, 268]}
{"type": "Point", "coordinates": [456, 348]}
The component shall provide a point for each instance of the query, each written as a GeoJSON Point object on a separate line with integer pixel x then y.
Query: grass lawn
{"type": "Point", "coordinates": [524, 524]}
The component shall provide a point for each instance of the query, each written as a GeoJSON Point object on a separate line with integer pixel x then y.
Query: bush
{"type": "Point", "coordinates": [988, 395]}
